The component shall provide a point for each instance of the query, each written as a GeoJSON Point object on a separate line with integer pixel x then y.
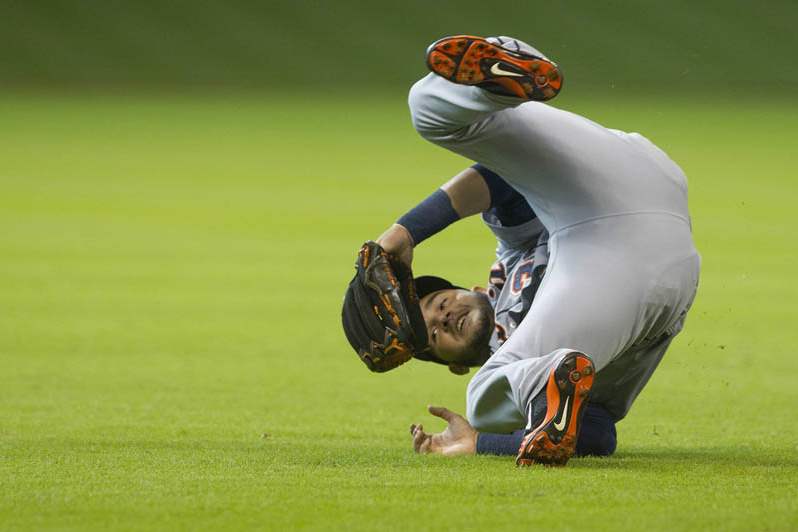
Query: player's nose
{"type": "Point", "coordinates": [447, 320]}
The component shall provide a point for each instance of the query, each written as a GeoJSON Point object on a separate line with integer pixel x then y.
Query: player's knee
{"type": "Point", "coordinates": [424, 119]}
{"type": "Point", "coordinates": [489, 407]}
{"type": "Point", "coordinates": [422, 124]}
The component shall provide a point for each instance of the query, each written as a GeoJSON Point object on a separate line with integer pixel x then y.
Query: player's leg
{"type": "Point", "coordinates": [491, 128]}
{"type": "Point", "coordinates": [590, 306]}
{"type": "Point", "coordinates": [556, 159]}
{"type": "Point", "coordinates": [602, 307]}
{"type": "Point", "coordinates": [493, 74]}
{"type": "Point", "coordinates": [597, 436]}
{"type": "Point", "coordinates": [552, 438]}
{"type": "Point", "coordinates": [624, 378]}
{"type": "Point", "coordinates": [492, 399]}
{"type": "Point", "coordinates": [565, 429]}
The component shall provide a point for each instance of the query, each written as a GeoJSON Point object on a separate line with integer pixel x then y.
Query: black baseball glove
{"type": "Point", "coordinates": [381, 314]}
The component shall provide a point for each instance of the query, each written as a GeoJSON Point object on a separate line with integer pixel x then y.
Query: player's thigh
{"type": "Point", "coordinates": [572, 311]}
{"type": "Point", "coordinates": [619, 384]}
{"type": "Point", "coordinates": [527, 144]}
{"type": "Point", "coordinates": [592, 310]}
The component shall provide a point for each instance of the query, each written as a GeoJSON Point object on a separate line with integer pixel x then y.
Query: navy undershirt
{"type": "Point", "coordinates": [506, 203]}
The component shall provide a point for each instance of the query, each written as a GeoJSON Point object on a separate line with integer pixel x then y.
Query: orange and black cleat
{"type": "Point", "coordinates": [554, 440]}
{"type": "Point", "coordinates": [501, 65]}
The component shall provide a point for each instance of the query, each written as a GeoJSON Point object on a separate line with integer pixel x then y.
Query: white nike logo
{"type": "Point", "coordinates": [496, 70]}
{"type": "Point", "coordinates": [563, 417]}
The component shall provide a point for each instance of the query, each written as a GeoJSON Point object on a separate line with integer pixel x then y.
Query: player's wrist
{"type": "Point", "coordinates": [403, 232]}
{"type": "Point", "coordinates": [472, 442]}
{"type": "Point", "coordinates": [498, 444]}
{"type": "Point", "coordinates": [395, 240]}
{"type": "Point", "coordinates": [429, 217]}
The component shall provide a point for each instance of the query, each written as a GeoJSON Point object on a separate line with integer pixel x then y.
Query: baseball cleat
{"type": "Point", "coordinates": [498, 64]}
{"type": "Point", "coordinates": [553, 442]}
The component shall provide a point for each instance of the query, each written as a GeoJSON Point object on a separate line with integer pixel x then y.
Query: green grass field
{"type": "Point", "coordinates": [171, 273]}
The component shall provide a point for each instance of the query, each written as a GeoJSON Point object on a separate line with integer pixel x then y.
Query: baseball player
{"type": "Point", "coordinates": [522, 255]}
{"type": "Point", "coordinates": [596, 263]}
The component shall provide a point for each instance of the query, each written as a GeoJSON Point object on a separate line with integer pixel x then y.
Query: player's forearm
{"type": "Point", "coordinates": [499, 444]}
{"type": "Point", "coordinates": [472, 191]}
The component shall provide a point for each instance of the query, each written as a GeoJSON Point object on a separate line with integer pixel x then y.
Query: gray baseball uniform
{"type": "Point", "coordinates": [622, 268]}
{"type": "Point", "coordinates": [522, 254]}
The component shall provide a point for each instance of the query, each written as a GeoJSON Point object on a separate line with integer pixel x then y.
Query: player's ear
{"type": "Point", "coordinates": [457, 369]}
{"type": "Point", "coordinates": [479, 289]}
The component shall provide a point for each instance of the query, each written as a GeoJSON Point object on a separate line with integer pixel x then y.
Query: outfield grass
{"type": "Point", "coordinates": [171, 272]}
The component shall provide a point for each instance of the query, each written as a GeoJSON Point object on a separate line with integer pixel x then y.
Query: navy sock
{"type": "Point", "coordinates": [597, 436]}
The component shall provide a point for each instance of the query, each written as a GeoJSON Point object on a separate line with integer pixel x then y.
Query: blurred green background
{"type": "Point", "coordinates": [357, 45]}
{"type": "Point", "coordinates": [184, 186]}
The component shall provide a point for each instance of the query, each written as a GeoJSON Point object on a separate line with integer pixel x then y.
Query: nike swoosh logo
{"type": "Point", "coordinates": [496, 70]}
{"type": "Point", "coordinates": [561, 425]}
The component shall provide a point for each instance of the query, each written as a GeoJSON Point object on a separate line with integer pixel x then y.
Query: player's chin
{"type": "Point", "coordinates": [479, 322]}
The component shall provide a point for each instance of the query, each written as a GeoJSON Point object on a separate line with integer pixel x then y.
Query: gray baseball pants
{"type": "Point", "coordinates": [623, 269]}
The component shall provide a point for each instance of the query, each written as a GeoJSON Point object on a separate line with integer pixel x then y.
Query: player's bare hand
{"type": "Point", "coordinates": [397, 241]}
{"type": "Point", "coordinates": [459, 438]}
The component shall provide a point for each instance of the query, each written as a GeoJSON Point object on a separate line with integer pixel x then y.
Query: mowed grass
{"type": "Point", "coordinates": [171, 273]}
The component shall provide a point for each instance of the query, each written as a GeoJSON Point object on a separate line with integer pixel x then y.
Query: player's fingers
{"type": "Point", "coordinates": [441, 412]}
{"type": "Point", "coordinates": [424, 448]}
{"type": "Point", "coordinates": [418, 438]}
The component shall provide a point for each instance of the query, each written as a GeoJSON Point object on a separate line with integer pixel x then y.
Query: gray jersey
{"type": "Point", "coordinates": [521, 257]}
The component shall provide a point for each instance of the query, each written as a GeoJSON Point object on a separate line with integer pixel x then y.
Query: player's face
{"type": "Point", "coordinates": [459, 323]}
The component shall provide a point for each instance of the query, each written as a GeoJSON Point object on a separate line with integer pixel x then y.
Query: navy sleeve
{"type": "Point", "coordinates": [501, 444]}
{"type": "Point", "coordinates": [429, 217]}
{"type": "Point", "coordinates": [506, 203]}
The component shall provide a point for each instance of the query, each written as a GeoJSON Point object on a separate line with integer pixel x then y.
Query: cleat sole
{"type": "Point", "coordinates": [553, 442]}
{"type": "Point", "coordinates": [470, 60]}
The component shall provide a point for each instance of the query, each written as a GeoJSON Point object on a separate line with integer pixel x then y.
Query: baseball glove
{"type": "Point", "coordinates": [381, 313]}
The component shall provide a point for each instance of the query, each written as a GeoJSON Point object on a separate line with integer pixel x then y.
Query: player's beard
{"type": "Point", "coordinates": [482, 325]}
